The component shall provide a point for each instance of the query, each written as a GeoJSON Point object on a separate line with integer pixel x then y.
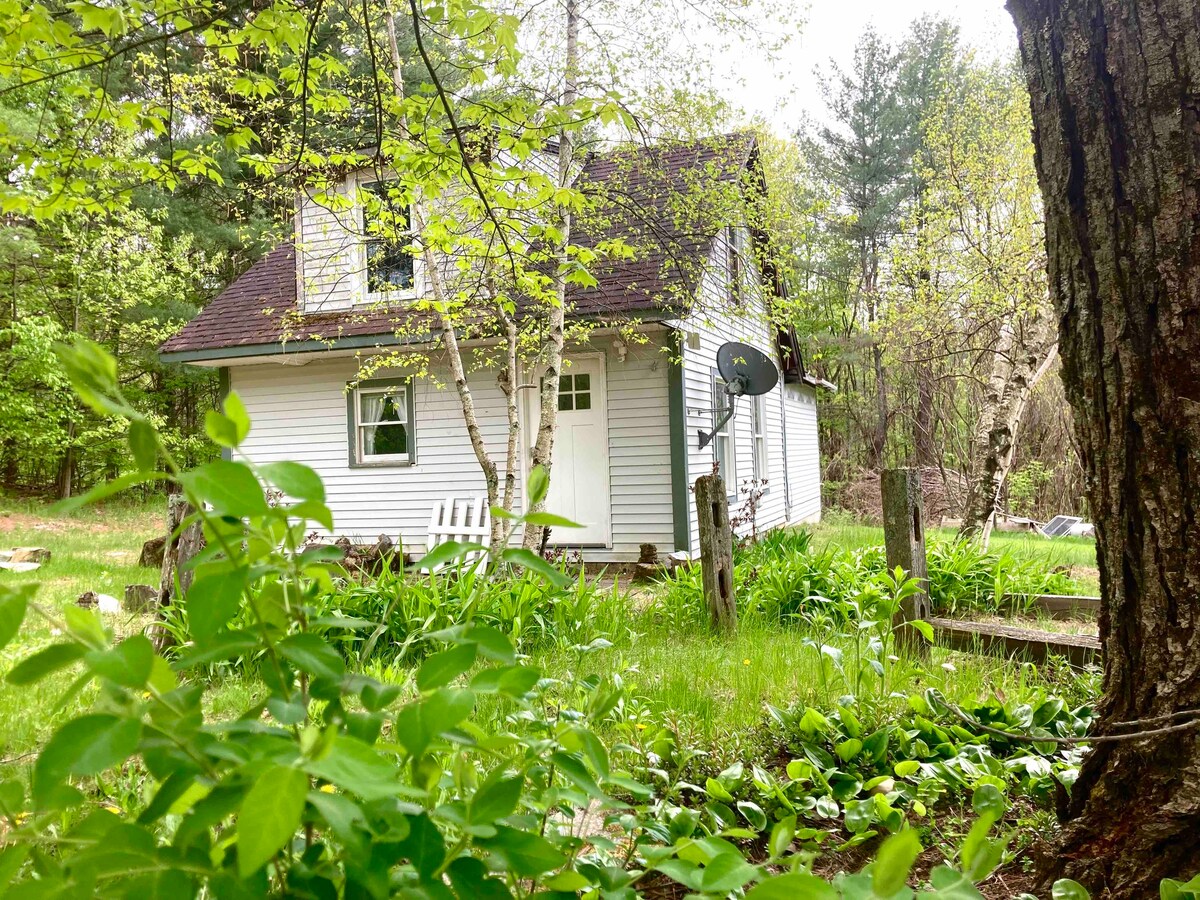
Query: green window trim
{"type": "Point", "coordinates": [353, 408]}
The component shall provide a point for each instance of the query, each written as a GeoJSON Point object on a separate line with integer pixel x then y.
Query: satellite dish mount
{"type": "Point", "coordinates": [747, 373]}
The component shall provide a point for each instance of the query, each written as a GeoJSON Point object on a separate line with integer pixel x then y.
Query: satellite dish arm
{"type": "Point", "coordinates": [706, 437]}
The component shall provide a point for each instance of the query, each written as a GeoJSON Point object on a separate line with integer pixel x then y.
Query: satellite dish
{"type": "Point", "coordinates": [747, 373]}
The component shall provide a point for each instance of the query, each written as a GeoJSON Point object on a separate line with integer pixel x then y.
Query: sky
{"type": "Point", "coordinates": [783, 91]}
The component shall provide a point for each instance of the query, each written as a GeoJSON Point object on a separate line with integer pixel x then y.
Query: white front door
{"type": "Point", "coordinates": [579, 471]}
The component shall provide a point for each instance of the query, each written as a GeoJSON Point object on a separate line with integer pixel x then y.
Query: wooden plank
{"type": "Point", "coordinates": [1065, 606]}
{"type": "Point", "coordinates": [975, 637]}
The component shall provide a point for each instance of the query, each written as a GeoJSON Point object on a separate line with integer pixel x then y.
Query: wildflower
{"type": "Point", "coordinates": [949, 667]}
{"type": "Point", "coordinates": [641, 726]}
{"type": "Point", "coordinates": [112, 809]}
{"type": "Point", "coordinates": [745, 662]}
{"type": "Point", "coordinates": [327, 789]}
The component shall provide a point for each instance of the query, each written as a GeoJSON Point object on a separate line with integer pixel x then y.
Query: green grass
{"type": "Point", "coordinates": [715, 690]}
{"type": "Point", "coordinates": [1074, 555]}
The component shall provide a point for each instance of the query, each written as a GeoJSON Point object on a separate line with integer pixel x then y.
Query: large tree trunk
{"type": "Point", "coordinates": [1115, 88]}
{"type": "Point", "coordinates": [1023, 354]}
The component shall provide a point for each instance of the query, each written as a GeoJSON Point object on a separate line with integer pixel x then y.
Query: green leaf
{"type": "Point", "coordinates": [128, 664]}
{"type": "Point", "coordinates": [988, 801]}
{"type": "Point", "coordinates": [444, 667]}
{"type": "Point", "coordinates": [537, 486]}
{"type": "Point", "coordinates": [907, 767]}
{"type": "Point", "coordinates": [417, 724]}
{"type": "Point", "coordinates": [295, 480]}
{"type": "Point", "coordinates": [314, 655]}
{"type": "Point", "coordinates": [858, 815]}
{"type": "Point", "coordinates": [235, 410]}
{"type": "Point", "coordinates": [848, 749]}
{"type": "Point", "coordinates": [753, 814]}
{"type": "Point", "coordinates": [527, 559]}
{"type": "Point", "coordinates": [269, 816]}
{"type": "Point", "coordinates": [889, 872]}
{"type": "Point", "coordinates": [51, 659]}
{"type": "Point", "coordinates": [213, 598]}
{"type": "Point", "coordinates": [726, 872]}
{"type": "Point", "coordinates": [14, 603]}
{"type": "Point", "coordinates": [358, 768]}
{"type": "Point", "coordinates": [793, 886]}
{"type": "Point", "coordinates": [84, 746]}
{"type": "Point", "coordinates": [923, 627]}
{"type": "Point", "coordinates": [550, 520]}
{"type": "Point", "coordinates": [445, 553]}
{"type": "Point", "coordinates": [492, 642]}
{"type": "Point", "coordinates": [230, 488]}
{"type": "Point", "coordinates": [221, 430]}
{"type": "Point", "coordinates": [495, 799]}
{"type": "Point", "coordinates": [143, 444]}
{"type": "Point", "coordinates": [425, 847]}
{"type": "Point", "coordinates": [1066, 889]}
{"type": "Point", "coordinates": [526, 854]}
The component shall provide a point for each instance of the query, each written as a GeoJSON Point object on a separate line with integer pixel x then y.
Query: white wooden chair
{"type": "Point", "coordinates": [467, 521]}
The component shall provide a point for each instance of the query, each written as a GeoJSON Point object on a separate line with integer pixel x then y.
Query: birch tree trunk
{"type": "Point", "coordinates": [1115, 94]}
{"type": "Point", "coordinates": [552, 347]}
{"type": "Point", "coordinates": [1022, 356]}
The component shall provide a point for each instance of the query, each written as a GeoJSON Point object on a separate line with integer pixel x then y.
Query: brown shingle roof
{"type": "Point", "coordinates": [649, 199]}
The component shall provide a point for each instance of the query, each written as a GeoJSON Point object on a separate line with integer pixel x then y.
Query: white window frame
{"type": "Point", "coordinates": [725, 437]}
{"type": "Point", "coordinates": [758, 438]}
{"type": "Point", "coordinates": [402, 387]}
{"type": "Point", "coordinates": [365, 183]}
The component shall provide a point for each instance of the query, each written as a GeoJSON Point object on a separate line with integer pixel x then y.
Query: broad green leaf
{"type": "Point", "coordinates": [128, 664]}
{"type": "Point", "coordinates": [269, 816]}
{"type": "Point", "coordinates": [793, 886]}
{"type": "Point", "coordinates": [1066, 889]}
{"type": "Point", "coordinates": [143, 444]}
{"type": "Point", "coordinates": [220, 429]}
{"type": "Point", "coordinates": [84, 746]}
{"type": "Point", "coordinates": [726, 872]}
{"type": "Point", "coordinates": [859, 814]}
{"type": "Point", "coordinates": [353, 766]}
{"type": "Point", "coordinates": [527, 559]}
{"type": "Point", "coordinates": [537, 486]}
{"type": "Point", "coordinates": [525, 853]}
{"type": "Point", "coordinates": [848, 749]}
{"type": "Point", "coordinates": [895, 859]}
{"type": "Point", "coordinates": [14, 603]}
{"type": "Point", "coordinates": [445, 553]}
{"type": "Point", "coordinates": [235, 410]}
{"type": "Point", "coordinates": [988, 801]}
{"type": "Point", "coordinates": [550, 520]}
{"type": "Point", "coordinates": [50, 659]}
{"type": "Point", "coordinates": [495, 799]}
{"type": "Point", "coordinates": [923, 627]}
{"type": "Point", "coordinates": [442, 668]}
{"type": "Point", "coordinates": [229, 487]}
{"type": "Point", "coordinates": [295, 480]}
{"type": "Point", "coordinates": [425, 847]}
{"type": "Point", "coordinates": [907, 767]}
{"type": "Point", "coordinates": [417, 724]}
{"type": "Point", "coordinates": [213, 598]}
{"type": "Point", "coordinates": [313, 655]}
{"type": "Point", "coordinates": [492, 642]}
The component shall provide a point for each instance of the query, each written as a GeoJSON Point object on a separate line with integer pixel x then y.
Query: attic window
{"type": "Point", "coordinates": [733, 245]}
{"type": "Point", "coordinates": [387, 226]}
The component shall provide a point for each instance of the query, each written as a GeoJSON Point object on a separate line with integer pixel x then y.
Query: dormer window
{"type": "Point", "coordinates": [387, 226]}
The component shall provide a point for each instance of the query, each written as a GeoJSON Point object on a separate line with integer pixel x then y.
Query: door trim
{"type": "Point", "coordinates": [530, 418]}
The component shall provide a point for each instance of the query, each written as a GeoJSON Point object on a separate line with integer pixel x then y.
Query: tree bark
{"type": "Point", "coordinates": [1115, 93]}
{"type": "Point", "coordinates": [1021, 358]}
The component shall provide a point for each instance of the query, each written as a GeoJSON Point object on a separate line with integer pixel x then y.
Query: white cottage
{"type": "Point", "coordinates": [292, 334]}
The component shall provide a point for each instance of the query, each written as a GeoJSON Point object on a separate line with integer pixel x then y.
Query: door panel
{"type": "Point", "coordinates": [579, 487]}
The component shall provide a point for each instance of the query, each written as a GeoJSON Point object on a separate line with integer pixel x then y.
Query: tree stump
{"type": "Point", "coordinates": [140, 598]}
{"type": "Point", "coordinates": [716, 551]}
{"type": "Point", "coordinates": [904, 540]}
{"type": "Point", "coordinates": [176, 577]}
{"type": "Point", "coordinates": [153, 551]}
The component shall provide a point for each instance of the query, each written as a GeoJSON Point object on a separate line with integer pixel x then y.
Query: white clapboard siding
{"type": "Point", "coordinates": [803, 456]}
{"type": "Point", "coordinates": [299, 413]}
{"type": "Point", "coordinates": [714, 325]}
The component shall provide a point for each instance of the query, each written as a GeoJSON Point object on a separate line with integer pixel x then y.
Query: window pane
{"type": "Point", "coordinates": [389, 267]}
{"type": "Point", "coordinates": [384, 440]}
{"type": "Point", "coordinates": [583, 401]}
{"type": "Point", "coordinates": [380, 407]}
{"type": "Point", "coordinates": [564, 402]}
{"type": "Point", "coordinates": [566, 383]}
{"type": "Point", "coordinates": [583, 382]}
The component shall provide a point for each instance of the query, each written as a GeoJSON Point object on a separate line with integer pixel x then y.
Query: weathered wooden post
{"type": "Point", "coordinates": [904, 539]}
{"type": "Point", "coordinates": [716, 551]}
{"type": "Point", "coordinates": [177, 553]}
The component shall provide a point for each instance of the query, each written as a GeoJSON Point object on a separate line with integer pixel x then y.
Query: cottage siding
{"type": "Point", "coordinates": [714, 324]}
{"type": "Point", "coordinates": [299, 413]}
{"type": "Point", "coordinates": [803, 455]}
{"type": "Point", "coordinates": [329, 250]}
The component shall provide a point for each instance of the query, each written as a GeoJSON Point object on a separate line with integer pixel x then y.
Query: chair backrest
{"type": "Point", "coordinates": [467, 521]}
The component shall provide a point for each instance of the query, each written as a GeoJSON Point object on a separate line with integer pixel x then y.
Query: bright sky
{"type": "Point", "coordinates": [783, 92]}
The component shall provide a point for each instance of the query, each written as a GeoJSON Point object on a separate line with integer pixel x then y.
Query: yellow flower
{"type": "Point", "coordinates": [745, 662]}
{"type": "Point", "coordinates": [327, 789]}
{"type": "Point", "coordinates": [641, 726]}
{"type": "Point", "coordinates": [112, 809]}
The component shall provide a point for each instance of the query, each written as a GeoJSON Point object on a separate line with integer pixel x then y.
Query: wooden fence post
{"type": "Point", "coordinates": [716, 551]}
{"type": "Point", "coordinates": [904, 539]}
